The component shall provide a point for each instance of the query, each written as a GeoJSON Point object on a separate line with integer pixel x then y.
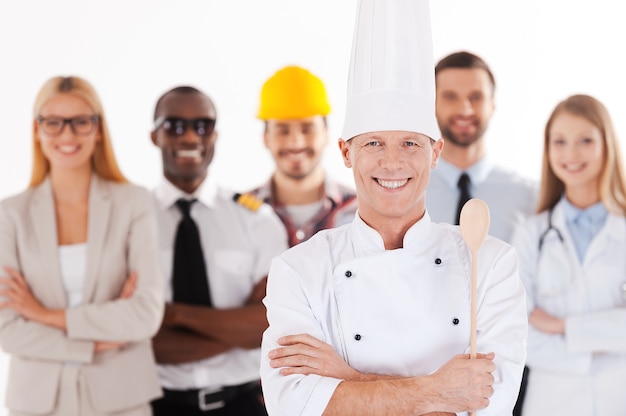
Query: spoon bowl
{"type": "Point", "coordinates": [474, 223]}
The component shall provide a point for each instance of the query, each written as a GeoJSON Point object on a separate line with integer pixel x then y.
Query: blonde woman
{"type": "Point", "coordinates": [81, 289]}
{"type": "Point", "coordinates": [573, 264]}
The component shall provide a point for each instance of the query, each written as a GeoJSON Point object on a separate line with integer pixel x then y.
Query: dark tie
{"type": "Point", "coordinates": [190, 283]}
{"type": "Point", "coordinates": [464, 194]}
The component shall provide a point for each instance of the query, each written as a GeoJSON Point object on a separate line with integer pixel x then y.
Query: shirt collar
{"type": "Point", "coordinates": [595, 214]}
{"type": "Point", "coordinates": [167, 193]}
{"type": "Point", "coordinates": [331, 191]}
{"type": "Point", "coordinates": [478, 172]}
{"type": "Point", "coordinates": [368, 241]}
{"type": "Point", "coordinates": [264, 192]}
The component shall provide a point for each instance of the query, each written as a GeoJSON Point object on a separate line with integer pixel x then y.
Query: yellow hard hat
{"type": "Point", "coordinates": [293, 92]}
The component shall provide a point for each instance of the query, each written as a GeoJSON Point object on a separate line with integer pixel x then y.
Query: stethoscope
{"type": "Point", "coordinates": [551, 227]}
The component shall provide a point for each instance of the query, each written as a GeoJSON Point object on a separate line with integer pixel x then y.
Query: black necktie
{"type": "Point", "coordinates": [190, 281]}
{"type": "Point", "coordinates": [464, 194]}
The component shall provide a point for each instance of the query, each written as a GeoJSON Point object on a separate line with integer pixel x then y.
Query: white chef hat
{"type": "Point", "coordinates": [391, 82]}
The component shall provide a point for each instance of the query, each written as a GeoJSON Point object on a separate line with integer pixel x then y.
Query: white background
{"type": "Point", "coordinates": [541, 51]}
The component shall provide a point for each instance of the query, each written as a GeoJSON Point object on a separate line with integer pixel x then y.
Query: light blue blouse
{"type": "Point", "coordinates": [584, 224]}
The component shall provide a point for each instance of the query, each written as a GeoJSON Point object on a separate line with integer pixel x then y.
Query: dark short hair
{"type": "Point", "coordinates": [465, 60]}
{"type": "Point", "coordinates": [183, 89]}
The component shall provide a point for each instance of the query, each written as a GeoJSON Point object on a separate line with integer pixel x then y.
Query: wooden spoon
{"type": "Point", "coordinates": [474, 223]}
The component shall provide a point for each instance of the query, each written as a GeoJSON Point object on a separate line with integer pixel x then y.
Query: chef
{"type": "Point", "coordinates": [373, 318]}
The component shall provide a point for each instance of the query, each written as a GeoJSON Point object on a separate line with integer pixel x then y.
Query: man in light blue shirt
{"type": "Point", "coordinates": [465, 89]}
{"type": "Point", "coordinates": [465, 103]}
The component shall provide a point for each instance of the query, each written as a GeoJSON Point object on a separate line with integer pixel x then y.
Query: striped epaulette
{"type": "Point", "coordinates": [248, 200]}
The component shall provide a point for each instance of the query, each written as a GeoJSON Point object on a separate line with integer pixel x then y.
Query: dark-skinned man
{"type": "Point", "coordinates": [216, 248]}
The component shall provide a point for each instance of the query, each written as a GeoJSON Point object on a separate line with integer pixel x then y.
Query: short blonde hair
{"type": "Point", "coordinates": [103, 159]}
{"type": "Point", "coordinates": [612, 190]}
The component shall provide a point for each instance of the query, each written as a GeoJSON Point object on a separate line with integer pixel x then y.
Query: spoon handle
{"type": "Point", "coordinates": [474, 284]}
{"type": "Point", "coordinates": [474, 296]}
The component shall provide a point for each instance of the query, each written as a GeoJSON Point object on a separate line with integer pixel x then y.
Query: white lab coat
{"type": "Point", "coordinates": [582, 373]}
{"type": "Point", "coordinates": [399, 312]}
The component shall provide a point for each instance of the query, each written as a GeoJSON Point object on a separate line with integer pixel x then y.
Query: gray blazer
{"type": "Point", "coordinates": [122, 237]}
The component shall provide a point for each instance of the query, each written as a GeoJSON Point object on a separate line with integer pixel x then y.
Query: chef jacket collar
{"type": "Point", "coordinates": [368, 241]}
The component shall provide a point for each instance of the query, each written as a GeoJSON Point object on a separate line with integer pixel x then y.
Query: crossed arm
{"type": "Point", "coordinates": [459, 385]}
{"type": "Point", "coordinates": [191, 333]}
{"type": "Point", "coordinates": [545, 322]}
{"type": "Point", "coordinates": [20, 298]}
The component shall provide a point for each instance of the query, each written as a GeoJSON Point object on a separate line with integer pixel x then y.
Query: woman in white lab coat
{"type": "Point", "coordinates": [573, 264]}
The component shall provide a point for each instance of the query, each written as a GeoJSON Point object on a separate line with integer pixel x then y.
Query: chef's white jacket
{"type": "Point", "coordinates": [401, 312]}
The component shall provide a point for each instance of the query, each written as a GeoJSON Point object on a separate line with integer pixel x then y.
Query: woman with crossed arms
{"type": "Point", "coordinates": [80, 289]}
{"type": "Point", "coordinates": [573, 264]}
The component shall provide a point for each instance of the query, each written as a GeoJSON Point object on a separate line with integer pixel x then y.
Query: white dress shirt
{"type": "Point", "coordinates": [582, 372]}
{"type": "Point", "coordinates": [510, 198]}
{"type": "Point", "coordinates": [239, 245]}
{"type": "Point", "coordinates": [73, 265]}
{"type": "Point", "coordinates": [401, 312]}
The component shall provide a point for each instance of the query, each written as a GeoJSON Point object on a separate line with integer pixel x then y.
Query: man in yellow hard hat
{"type": "Point", "coordinates": [294, 106]}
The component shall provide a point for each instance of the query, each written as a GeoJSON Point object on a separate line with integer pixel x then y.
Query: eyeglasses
{"type": "Point", "coordinates": [176, 126]}
{"type": "Point", "coordinates": [80, 125]}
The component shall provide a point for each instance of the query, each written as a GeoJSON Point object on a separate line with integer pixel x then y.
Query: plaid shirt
{"type": "Point", "coordinates": [338, 208]}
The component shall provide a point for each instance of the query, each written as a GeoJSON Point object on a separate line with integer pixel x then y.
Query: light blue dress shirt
{"type": "Point", "coordinates": [584, 224]}
{"type": "Point", "coordinates": [510, 197]}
